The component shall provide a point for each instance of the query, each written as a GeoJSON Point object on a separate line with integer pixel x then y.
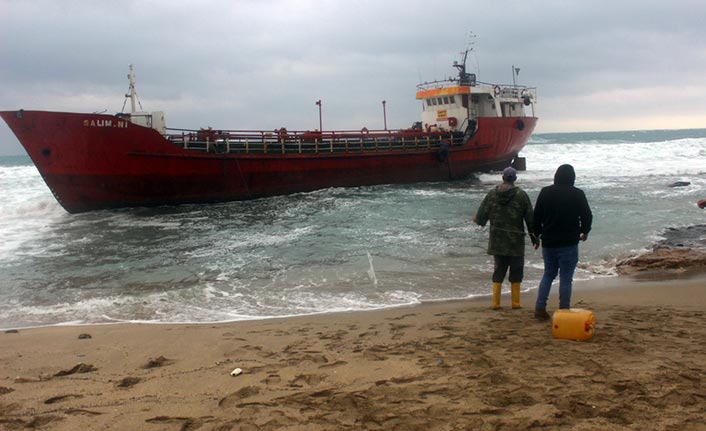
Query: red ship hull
{"type": "Point", "coordinates": [93, 161]}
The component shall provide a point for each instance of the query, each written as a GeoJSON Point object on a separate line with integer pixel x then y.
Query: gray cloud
{"type": "Point", "coordinates": [598, 65]}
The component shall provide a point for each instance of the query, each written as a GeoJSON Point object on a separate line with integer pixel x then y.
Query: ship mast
{"type": "Point", "coordinates": [461, 67]}
{"type": "Point", "coordinates": [132, 95]}
{"type": "Point", "coordinates": [463, 77]}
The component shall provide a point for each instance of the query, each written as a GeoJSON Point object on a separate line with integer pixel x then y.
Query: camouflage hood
{"type": "Point", "coordinates": [506, 192]}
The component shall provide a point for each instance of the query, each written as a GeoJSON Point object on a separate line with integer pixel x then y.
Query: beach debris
{"type": "Point", "coordinates": [157, 362]}
{"type": "Point", "coordinates": [84, 336]}
{"type": "Point", "coordinates": [236, 372]}
{"type": "Point", "coordinates": [12, 331]}
{"type": "Point", "coordinates": [78, 369]}
{"type": "Point", "coordinates": [128, 382]}
{"type": "Point", "coordinates": [574, 324]}
{"type": "Point", "coordinates": [5, 390]}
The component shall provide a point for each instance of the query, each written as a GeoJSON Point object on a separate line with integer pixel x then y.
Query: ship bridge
{"type": "Point", "coordinates": [451, 105]}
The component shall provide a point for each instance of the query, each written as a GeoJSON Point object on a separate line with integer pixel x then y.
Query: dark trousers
{"type": "Point", "coordinates": [516, 265]}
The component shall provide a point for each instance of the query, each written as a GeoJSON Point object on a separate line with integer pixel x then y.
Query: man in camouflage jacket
{"type": "Point", "coordinates": [509, 209]}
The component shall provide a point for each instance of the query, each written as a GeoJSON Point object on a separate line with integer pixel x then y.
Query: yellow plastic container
{"type": "Point", "coordinates": [573, 324]}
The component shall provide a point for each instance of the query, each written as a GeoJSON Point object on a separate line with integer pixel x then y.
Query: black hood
{"type": "Point", "coordinates": [565, 176]}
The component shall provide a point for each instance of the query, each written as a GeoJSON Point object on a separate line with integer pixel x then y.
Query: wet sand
{"type": "Point", "coordinates": [441, 366]}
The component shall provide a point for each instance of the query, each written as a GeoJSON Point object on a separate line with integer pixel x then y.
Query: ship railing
{"type": "Point", "coordinates": [440, 83]}
{"type": "Point", "coordinates": [498, 90]}
{"type": "Point", "coordinates": [309, 142]}
{"type": "Point", "coordinates": [510, 91]}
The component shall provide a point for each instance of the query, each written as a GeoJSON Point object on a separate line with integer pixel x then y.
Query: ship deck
{"type": "Point", "coordinates": [307, 142]}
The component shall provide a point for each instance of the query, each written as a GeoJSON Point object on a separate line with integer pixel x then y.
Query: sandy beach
{"type": "Point", "coordinates": [440, 366]}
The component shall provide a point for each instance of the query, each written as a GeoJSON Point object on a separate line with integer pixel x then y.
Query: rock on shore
{"type": "Point", "coordinates": [682, 249]}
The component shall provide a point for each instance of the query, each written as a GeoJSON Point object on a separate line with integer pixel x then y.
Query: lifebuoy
{"type": "Point", "coordinates": [453, 122]}
{"type": "Point", "coordinates": [364, 130]}
{"type": "Point", "coordinates": [496, 90]}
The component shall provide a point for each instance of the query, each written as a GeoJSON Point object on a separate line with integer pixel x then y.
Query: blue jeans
{"type": "Point", "coordinates": [560, 261]}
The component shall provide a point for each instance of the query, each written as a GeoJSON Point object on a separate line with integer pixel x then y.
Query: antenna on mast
{"type": "Point", "coordinates": [132, 94]}
{"type": "Point", "coordinates": [463, 77]}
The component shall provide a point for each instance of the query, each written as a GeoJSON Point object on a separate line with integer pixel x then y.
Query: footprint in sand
{"type": "Point", "coordinates": [231, 336]}
{"type": "Point", "coordinates": [271, 379]}
{"type": "Point", "coordinates": [78, 369]}
{"type": "Point", "coordinates": [333, 364]}
{"type": "Point", "coordinates": [41, 421]}
{"type": "Point", "coordinates": [504, 398]}
{"type": "Point", "coordinates": [186, 423]}
{"type": "Point", "coordinates": [402, 316]}
{"type": "Point", "coordinates": [82, 412]}
{"type": "Point", "coordinates": [308, 379]}
{"type": "Point", "coordinates": [61, 398]}
{"type": "Point", "coordinates": [128, 382]}
{"type": "Point", "coordinates": [157, 362]}
{"type": "Point", "coordinates": [234, 399]}
{"type": "Point", "coordinates": [375, 353]}
{"type": "Point", "coordinates": [337, 335]}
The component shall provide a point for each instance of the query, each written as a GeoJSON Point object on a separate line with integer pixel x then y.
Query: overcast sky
{"type": "Point", "coordinates": [250, 64]}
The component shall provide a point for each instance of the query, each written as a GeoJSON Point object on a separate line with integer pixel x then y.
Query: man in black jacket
{"type": "Point", "coordinates": [562, 217]}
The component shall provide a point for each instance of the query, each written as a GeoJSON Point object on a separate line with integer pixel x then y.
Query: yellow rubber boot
{"type": "Point", "coordinates": [496, 295]}
{"type": "Point", "coordinates": [515, 295]}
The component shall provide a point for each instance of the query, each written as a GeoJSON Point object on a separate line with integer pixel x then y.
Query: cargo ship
{"type": "Point", "coordinates": [98, 161]}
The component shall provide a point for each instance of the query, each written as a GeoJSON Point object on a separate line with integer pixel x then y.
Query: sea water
{"type": "Point", "coordinates": [330, 250]}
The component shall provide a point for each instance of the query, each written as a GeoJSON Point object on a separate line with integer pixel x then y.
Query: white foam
{"type": "Point", "coordinates": [619, 160]}
{"type": "Point", "coordinates": [269, 239]}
